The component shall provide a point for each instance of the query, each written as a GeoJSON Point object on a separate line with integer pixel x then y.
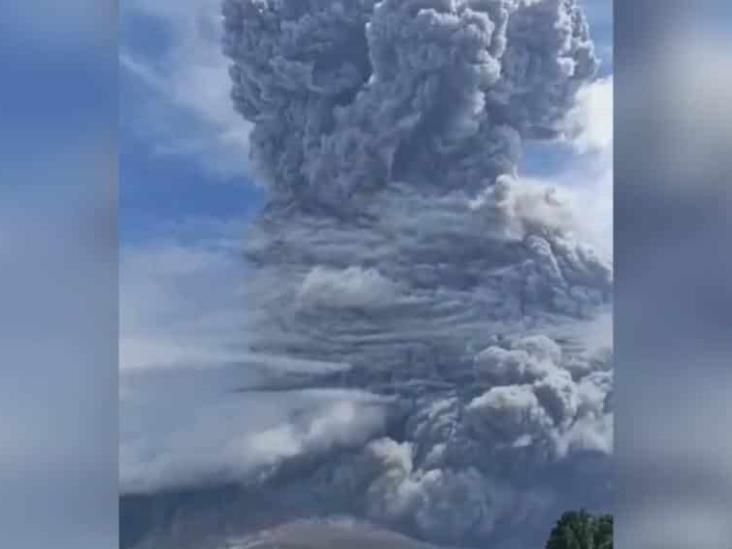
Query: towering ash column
{"type": "Point", "coordinates": [399, 240]}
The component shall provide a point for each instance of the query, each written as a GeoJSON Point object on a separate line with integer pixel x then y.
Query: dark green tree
{"type": "Point", "coordinates": [581, 530]}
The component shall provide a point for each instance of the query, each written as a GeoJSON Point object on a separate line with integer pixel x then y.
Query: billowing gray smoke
{"type": "Point", "coordinates": [401, 241]}
{"type": "Point", "coordinates": [350, 96]}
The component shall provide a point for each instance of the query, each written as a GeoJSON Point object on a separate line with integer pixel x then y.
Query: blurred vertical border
{"type": "Point", "coordinates": [58, 274]}
{"type": "Point", "coordinates": [673, 264]}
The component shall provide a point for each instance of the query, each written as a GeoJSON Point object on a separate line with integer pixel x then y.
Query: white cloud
{"type": "Point", "coordinates": [187, 108]}
{"type": "Point", "coordinates": [585, 185]}
{"type": "Point", "coordinates": [591, 120]}
{"type": "Point", "coordinates": [183, 356]}
{"type": "Point", "coordinates": [187, 428]}
{"type": "Point", "coordinates": [179, 304]}
{"type": "Point", "coordinates": [591, 178]}
{"type": "Point", "coordinates": [350, 288]}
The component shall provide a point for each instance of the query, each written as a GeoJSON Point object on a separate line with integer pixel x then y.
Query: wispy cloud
{"type": "Point", "coordinates": [584, 176]}
{"type": "Point", "coordinates": [591, 175]}
{"type": "Point", "coordinates": [591, 121]}
{"type": "Point", "coordinates": [181, 301]}
{"type": "Point", "coordinates": [183, 356]}
{"type": "Point", "coordinates": [184, 106]}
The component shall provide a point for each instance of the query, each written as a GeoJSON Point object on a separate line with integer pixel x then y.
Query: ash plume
{"type": "Point", "coordinates": [349, 97]}
{"type": "Point", "coordinates": [400, 240]}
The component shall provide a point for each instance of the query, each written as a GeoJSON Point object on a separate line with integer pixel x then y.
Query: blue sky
{"type": "Point", "coordinates": [182, 148]}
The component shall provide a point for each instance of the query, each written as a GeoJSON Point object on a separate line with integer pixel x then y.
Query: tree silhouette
{"type": "Point", "coordinates": [581, 530]}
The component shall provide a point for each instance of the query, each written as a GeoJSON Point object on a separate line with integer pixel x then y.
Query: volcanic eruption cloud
{"type": "Point", "coordinates": [400, 241]}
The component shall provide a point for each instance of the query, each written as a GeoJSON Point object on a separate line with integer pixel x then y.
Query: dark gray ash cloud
{"type": "Point", "coordinates": [347, 97]}
{"type": "Point", "coordinates": [401, 241]}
